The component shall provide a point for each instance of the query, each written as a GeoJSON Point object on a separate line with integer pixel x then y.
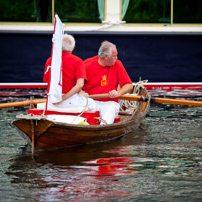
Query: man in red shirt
{"type": "Point", "coordinates": [74, 74]}
{"type": "Point", "coordinates": [103, 76]}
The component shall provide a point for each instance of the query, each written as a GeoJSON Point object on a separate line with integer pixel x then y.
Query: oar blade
{"type": "Point", "coordinates": [178, 102]}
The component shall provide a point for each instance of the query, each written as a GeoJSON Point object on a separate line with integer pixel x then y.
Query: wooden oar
{"type": "Point", "coordinates": [123, 97]}
{"type": "Point", "coordinates": [153, 99]}
{"type": "Point", "coordinates": [22, 103]}
{"type": "Point", "coordinates": [176, 101]}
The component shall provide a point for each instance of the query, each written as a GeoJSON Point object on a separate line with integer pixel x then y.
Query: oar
{"type": "Point", "coordinates": [176, 101]}
{"type": "Point", "coordinates": [123, 97]}
{"type": "Point", "coordinates": [22, 103]}
{"type": "Point", "coordinates": [153, 99]}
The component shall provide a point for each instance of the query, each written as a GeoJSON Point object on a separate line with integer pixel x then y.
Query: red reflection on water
{"type": "Point", "coordinates": [95, 178]}
{"type": "Point", "coordinates": [110, 160]}
{"type": "Point", "coordinates": [115, 166]}
{"type": "Point", "coordinates": [90, 181]}
{"type": "Point", "coordinates": [115, 170]}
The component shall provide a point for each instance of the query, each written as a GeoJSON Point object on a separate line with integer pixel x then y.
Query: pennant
{"type": "Point", "coordinates": [55, 91]}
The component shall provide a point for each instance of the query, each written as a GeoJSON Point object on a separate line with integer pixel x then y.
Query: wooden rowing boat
{"type": "Point", "coordinates": [45, 134]}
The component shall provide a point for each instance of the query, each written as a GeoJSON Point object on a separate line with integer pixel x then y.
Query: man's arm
{"type": "Point", "coordinates": [74, 90]}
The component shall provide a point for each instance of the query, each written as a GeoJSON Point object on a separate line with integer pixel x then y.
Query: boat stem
{"type": "Point", "coordinates": [33, 140]}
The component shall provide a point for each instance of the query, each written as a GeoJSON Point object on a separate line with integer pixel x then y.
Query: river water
{"type": "Point", "coordinates": [162, 161]}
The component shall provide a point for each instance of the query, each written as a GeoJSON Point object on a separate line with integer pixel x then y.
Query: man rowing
{"type": "Point", "coordinates": [104, 74]}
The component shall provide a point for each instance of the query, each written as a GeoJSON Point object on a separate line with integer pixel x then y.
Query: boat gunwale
{"type": "Point", "coordinates": [120, 124]}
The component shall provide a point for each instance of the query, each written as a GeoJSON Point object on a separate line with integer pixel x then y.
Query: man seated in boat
{"type": "Point", "coordinates": [103, 76]}
{"type": "Point", "coordinates": [73, 76]}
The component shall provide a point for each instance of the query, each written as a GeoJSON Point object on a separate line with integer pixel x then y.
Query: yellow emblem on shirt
{"type": "Point", "coordinates": [104, 80]}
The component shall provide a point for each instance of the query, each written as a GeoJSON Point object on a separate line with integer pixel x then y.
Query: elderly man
{"type": "Point", "coordinates": [74, 74]}
{"type": "Point", "coordinates": [103, 76]}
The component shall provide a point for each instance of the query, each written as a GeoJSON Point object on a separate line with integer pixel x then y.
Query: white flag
{"type": "Point", "coordinates": [55, 91]}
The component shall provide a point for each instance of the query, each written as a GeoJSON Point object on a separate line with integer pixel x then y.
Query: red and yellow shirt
{"type": "Point", "coordinates": [101, 80]}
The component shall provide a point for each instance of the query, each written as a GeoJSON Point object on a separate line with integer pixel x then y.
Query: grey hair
{"type": "Point", "coordinates": [68, 42]}
{"type": "Point", "coordinates": [105, 50]}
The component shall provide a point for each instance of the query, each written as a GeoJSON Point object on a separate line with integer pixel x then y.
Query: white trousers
{"type": "Point", "coordinates": [77, 100]}
{"type": "Point", "coordinates": [108, 110]}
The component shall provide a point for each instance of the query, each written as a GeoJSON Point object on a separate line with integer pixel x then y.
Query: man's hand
{"type": "Point", "coordinates": [84, 93]}
{"type": "Point", "coordinates": [57, 103]}
{"type": "Point", "coordinates": [113, 94]}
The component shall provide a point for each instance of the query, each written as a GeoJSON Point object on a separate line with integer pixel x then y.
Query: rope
{"type": "Point", "coordinates": [101, 120]}
{"type": "Point", "coordinates": [129, 105]}
{"type": "Point", "coordinates": [86, 106]}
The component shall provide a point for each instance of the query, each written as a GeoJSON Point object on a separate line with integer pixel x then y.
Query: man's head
{"type": "Point", "coordinates": [108, 54]}
{"type": "Point", "coordinates": [105, 41]}
{"type": "Point", "coordinates": [68, 43]}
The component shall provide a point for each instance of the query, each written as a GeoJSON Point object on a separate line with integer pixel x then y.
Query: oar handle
{"type": "Point", "coordinates": [122, 97]}
{"type": "Point", "coordinates": [138, 98]}
{"type": "Point", "coordinates": [98, 96]}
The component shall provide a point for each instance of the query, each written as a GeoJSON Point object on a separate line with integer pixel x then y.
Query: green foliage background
{"type": "Point", "coordinates": [16, 9]}
{"type": "Point", "coordinates": [149, 11]}
{"type": "Point", "coordinates": [77, 10]}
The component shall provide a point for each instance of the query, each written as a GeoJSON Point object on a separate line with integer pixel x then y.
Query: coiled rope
{"type": "Point", "coordinates": [129, 105]}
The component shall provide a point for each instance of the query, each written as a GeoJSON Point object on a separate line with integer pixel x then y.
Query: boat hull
{"type": "Point", "coordinates": [44, 134]}
{"type": "Point", "coordinates": [49, 135]}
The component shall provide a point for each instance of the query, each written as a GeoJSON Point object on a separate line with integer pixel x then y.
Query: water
{"type": "Point", "coordinates": [162, 161]}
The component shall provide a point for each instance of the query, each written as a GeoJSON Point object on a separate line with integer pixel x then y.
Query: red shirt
{"type": "Point", "coordinates": [72, 69]}
{"type": "Point", "coordinates": [105, 79]}
{"type": "Point", "coordinates": [90, 59]}
{"type": "Point", "coordinates": [47, 73]}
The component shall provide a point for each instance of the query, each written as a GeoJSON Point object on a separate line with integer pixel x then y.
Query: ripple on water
{"type": "Point", "coordinates": [162, 162]}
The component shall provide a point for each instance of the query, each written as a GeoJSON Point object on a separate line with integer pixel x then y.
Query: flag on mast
{"type": "Point", "coordinates": [55, 91]}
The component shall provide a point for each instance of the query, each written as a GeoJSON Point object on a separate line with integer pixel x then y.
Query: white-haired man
{"type": "Point", "coordinates": [104, 75]}
{"type": "Point", "coordinates": [74, 74]}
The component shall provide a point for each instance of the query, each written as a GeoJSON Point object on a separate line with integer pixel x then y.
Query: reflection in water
{"type": "Point", "coordinates": [162, 161]}
{"type": "Point", "coordinates": [80, 173]}
{"type": "Point", "coordinates": [115, 166]}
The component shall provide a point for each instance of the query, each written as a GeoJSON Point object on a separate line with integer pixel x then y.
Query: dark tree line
{"type": "Point", "coordinates": [150, 11]}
